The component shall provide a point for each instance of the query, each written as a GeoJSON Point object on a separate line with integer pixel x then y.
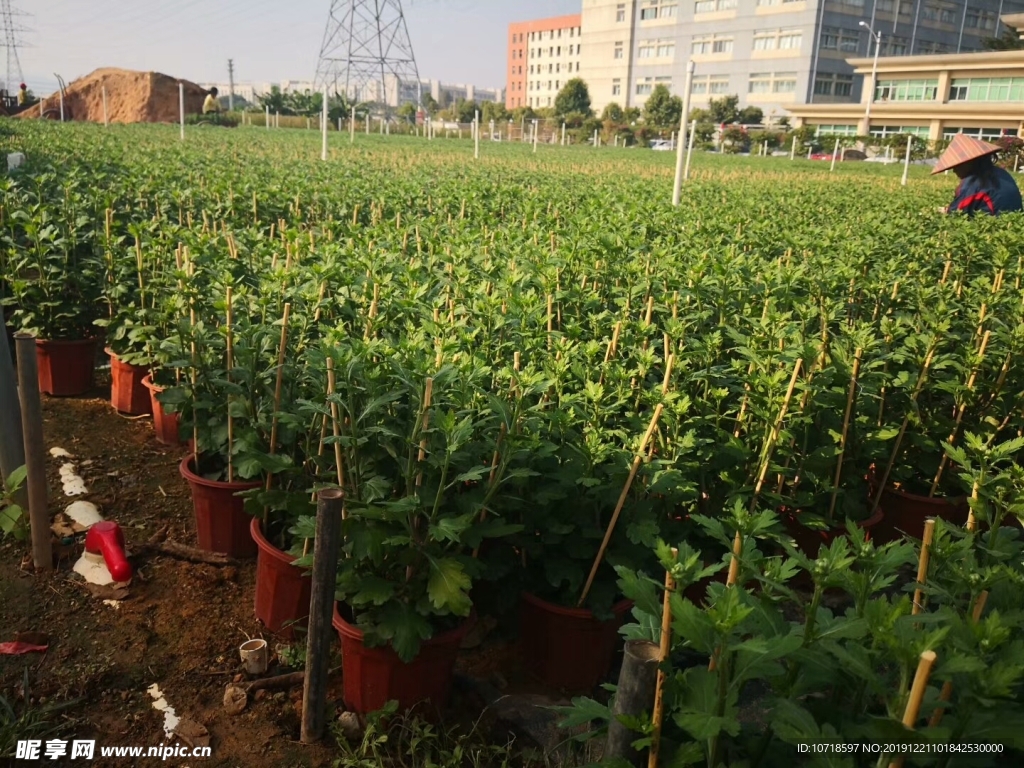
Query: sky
{"type": "Point", "coordinates": [457, 41]}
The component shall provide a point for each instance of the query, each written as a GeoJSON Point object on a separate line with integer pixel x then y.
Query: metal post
{"type": "Point", "coordinates": [689, 150]}
{"type": "Point", "coordinates": [563, 134]}
{"type": "Point", "coordinates": [231, 85]}
{"type": "Point", "coordinates": [835, 154]}
{"type": "Point", "coordinates": [476, 134]}
{"type": "Point", "coordinates": [12, 444]}
{"type": "Point", "coordinates": [318, 641]}
{"type": "Point", "coordinates": [266, 119]}
{"type": "Point", "coordinates": [535, 132]}
{"type": "Point", "coordinates": [35, 450]}
{"type": "Point", "coordinates": [877, 36]}
{"type": "Point", "coordinates": [352, 127]}
{"type": "Point", "coordinates": [906, 162]}
{"type": "Point", "coordinates": [792, 147]}
{"type": "Point", "coordinates": [323, 124]}
{"type": "Point", "coordinates": [181, 108]}
{"type": "Point", "coordinates": [277, 119]}
{"type": "Point", "coordinates": [678, 185]}
{"type": "Point", "coordinates": [367, 123]}
{"type": "Point", "coordinates": [106, 118]}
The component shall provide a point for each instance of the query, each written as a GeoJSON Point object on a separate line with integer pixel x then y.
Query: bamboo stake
{"type": "Point", "coordinates": [335, 425]}
{"type": "Point", "coordinates": [922, 565]}
{"type": "Point", "coordinates": [422, 454]}
{"type": "Point", "coordinates": [972, 522]}
{"type": "Point", "coordinates": [776, 430]}
{"type": "Point", "coordinates": [230, 351]}
{"type": "Point", "coordinates": [850, 396]}
{"type": "Point", "coordinates": [490, 478]}
{"type": "Point", "coordinates": [731, 579]}
{"type": "Point", "coordinates": [947, 687]}
{"type": "Point", "coordinates": [277, 402]}
{"type": "Point", "coordinates": [903, 429]}
{"type": "Point", "coordinates": [191, 271]}
{"type": "Point", "coordinates": [910, 714]}
{"type": "Point", "coordinates": [621, 502]}
{"type": "Point", "coordinates": [663, 654]}
{"type": "Point", "coordinates": [960, 414]}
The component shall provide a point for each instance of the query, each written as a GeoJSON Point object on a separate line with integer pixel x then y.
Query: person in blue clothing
{"type": "Point", "coordinates": [984, 187]}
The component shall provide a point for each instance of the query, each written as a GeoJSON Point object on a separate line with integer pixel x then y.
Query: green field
{"type": "Point", "coordinates": [507, 361]}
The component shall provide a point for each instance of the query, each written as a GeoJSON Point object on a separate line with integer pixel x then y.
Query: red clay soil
{"type": "Point", "coordinates": [132, 97]}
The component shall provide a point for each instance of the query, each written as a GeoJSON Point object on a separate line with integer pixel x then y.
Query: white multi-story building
{"type": "Point", "coordinates": [542, 56]}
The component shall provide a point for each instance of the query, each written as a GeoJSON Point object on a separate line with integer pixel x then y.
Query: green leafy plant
{"type": "Point", "coordinates": [13, 519]}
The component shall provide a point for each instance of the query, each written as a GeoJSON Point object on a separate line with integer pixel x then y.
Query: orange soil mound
{"type": "Point", "coordinates": [132, 97]}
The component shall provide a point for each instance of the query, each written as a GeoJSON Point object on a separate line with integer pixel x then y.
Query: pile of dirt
{"type": "Point", "coordinates": [132, 97]}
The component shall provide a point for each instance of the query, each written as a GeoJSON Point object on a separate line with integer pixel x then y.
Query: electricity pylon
{"type": "Point", "coordinates": [366, 53]}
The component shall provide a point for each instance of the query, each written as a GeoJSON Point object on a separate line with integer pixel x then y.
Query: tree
{"type": "Point", "coordinates": [724, 110]}
{"type": "Point", "coordinates": [574, 97]}
{"type": "Point", "coordinates": [613, 112]}
{"type": "Point", "coordinates": [430, 105]}
{"type": "Point", "coordinates": [1008, 41]}
{"type": "Point", "coordinates": [750, 116]}
{"type": "Point", "coordinates": [494, 110]}
{"type": "Point", "coordinates": [407, 112]}
{"type": "Point", "coordinates": [663, 110]}
{"type": "Point", "coordinates": [275, 101]}
{"type": "Point", "coordinates": [464, 111]}
{"type": "Point", "coordinates": [631, 114]}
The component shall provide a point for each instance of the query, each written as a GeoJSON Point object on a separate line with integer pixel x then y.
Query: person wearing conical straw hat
{"type": "Point", "coordinates": [984, 187]}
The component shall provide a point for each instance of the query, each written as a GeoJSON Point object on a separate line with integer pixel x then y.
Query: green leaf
{"type": "Point", "coordinates": [16, 478]}
{"type": "Point", "coordinates": [448, 587]}
{"type": "Point", "coordinates": [583, 711]}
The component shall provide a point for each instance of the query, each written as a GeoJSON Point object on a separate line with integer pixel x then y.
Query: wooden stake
{"type": "Point", "coordinates": [922, 565]}
{"type": "Point", "coordinates": [621, 502]}
{"type": "Point", "coordinates": [731, 579]}
{"type": "Point", "coordinates": [910, 714]}
{"type": "Point", "coordinates": [231, 363]}
{"type": "Point", "coordinates": [663, 654]}
{"type": "Point", "coordinates": [850, 396]}
{"type": "Point", "coordinates": [774, 435]}
{"type": "Point", "coordinates": [335, 424]}
{"type": "Point", "coordinates": [277, 403]}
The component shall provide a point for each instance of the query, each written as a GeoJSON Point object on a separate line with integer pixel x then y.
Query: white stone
{"type": "Point", "coordinates": [160, 704]}
{"type": "Point", "coordinates": [84, 513]}
{"type": "Point", "coordinates": [59, 453]}
{"type": "Point", "coordinates": [14, 159]}
{"type": "Point", "coordinates": [93, 569]}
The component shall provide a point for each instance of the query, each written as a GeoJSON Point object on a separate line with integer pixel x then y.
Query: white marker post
{"type": "Point", "coordinates": [181, 108]}
{"type": "Point", "coordinates": [367, 123]}
{"type": "Point", "coordinates": [266, 118]}
{"type": "Point", "coordinates": [563, 134]}
{"type": "Point", "coordinates": [323, 124]}
{"type": "Point", "coordinates": [689, 150]}
{"type": "Point", "coordinates": [352, 127]}
{"type": "Point", "coordinates": [835, 154]}
{"type": "Point", "coordinates": [476, 135]}
{"type": "Point", "coordinates": [535, 132]}
{"type": "Point", "coordinates": [277, 119]}
{"type": "Point", "coordinates": [906, 162]}
{"type": "Point", "coordinates": [792, 148]}
{"type": "Point", "coordinates": [677, 187]}
{"type": "Point", "coordinates": [106, 118]}
{"type": "Point", "coordinates": [382, 126]}
{"type": "Point", "coordinates": [595, 139]}
{"type": "Point", "coordinates": [809, 151]}
{"type": "Point", "coordinates": [339, 124]}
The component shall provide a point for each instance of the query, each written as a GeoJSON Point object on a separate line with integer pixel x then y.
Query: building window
{"type": "Point", "coordinates": [985, 134]}
{"type": "Point", "coordinates": [711, 45]}
{"type": "Point", "coordinates": [906, 90]}
{"type": "Point", "coordinates": [558, 85]}
{"type": "Point", "coordinates": [658, 9]}
{"type": "Point", "coordinates": [895, 46]}
{"type": "Point", "coordinates": [558, 68]}
{"type": "Point", "coordinates": [987, 89]}
{"type": "Point", "coordinates": [931, 46]}
{"type": "Point", "coordinates": [616, 87]}
{"type": "Point", "coordinates": [710, 6]}
{"type": "Point", "coordinates": [559, 50]}
{"type": "Point", "coordinates": [833, 84]}
{"type": "Point", "coordinates": [948, 15]}
{"type": "Point", "coordinates": [977, 19]}
{"type": "Point", "coordinates": [618, 50]}
{"type": "Point", "coordinates": [767, 3]}
{"type": "Point", "coordinates": [620, 12]}
{"type": "Point", "coordinates": [836, 130]}
{"type": "Point", "coordinates": [666, 49]}
{"type": "Point", "coordinates": [838, 39]}
{"type": "Point", "coordinates": [660, 49]}
{"type": "Point", "coordinates": [772, 82]}
{"type": "Point", "coordinates": [781, 39]}
{"type": "Point", "coordinates": [855, 5]}
{"type": "Point", "coordinates": [884, 131]}
{"type": "Point", "coordinates": [710, 84]}
{"type": "Point", "coordinates": [644, 86]}
{"type": "Point", "coordinates": [929, 13]}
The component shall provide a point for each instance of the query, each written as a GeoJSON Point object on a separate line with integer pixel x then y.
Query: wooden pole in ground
{"type": "Point", "coordinates": [318, 641]}
{"type": "Point", "coordinates": [664, 649]}
{"type": "Point", "coordinates": [12, 444]}
{"type": "Point", "coordinates": [35, 450]}
{"type": "Point", "coordinates": [633, 697]}
{"type": "Point", "coordinates": [622, 501]}
{"type": "Point", "coordinates": [850, 397]}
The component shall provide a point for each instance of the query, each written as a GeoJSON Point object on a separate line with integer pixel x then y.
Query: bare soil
{"type": "Point", "coordinates": [181, 624]}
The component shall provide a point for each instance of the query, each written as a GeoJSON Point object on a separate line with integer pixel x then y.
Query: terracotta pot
{"type": "Point", "coordinates": [568, 648]}
{"type": "Point", "coordinates": [221, 522]}
{"type": "Point", "coordinates": [127, 392]}
{"type": "Point", "coordinates": [66, 368]}
{"type": "Point", "coordinates": [282, 590]}
{"type": "Point", "coordinates": [164, 424]}
{"type": "Point", "coordinates": [905, 513]}
{"type": "Point", "coordinates": [374, 676]}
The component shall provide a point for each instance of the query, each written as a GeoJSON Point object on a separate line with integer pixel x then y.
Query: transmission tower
{"type": "Point", "coordinates": [366, 53]}
{"type": "Point", "coordinates": [13, 75]}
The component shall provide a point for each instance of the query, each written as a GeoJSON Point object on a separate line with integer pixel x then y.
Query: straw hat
{"type": "Point", "coordinates": [962, 149]}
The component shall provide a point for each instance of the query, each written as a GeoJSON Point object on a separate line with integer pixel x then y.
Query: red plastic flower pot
{"type": "Point", "coordinates": [221, 522]}
{"type": "Point", "coordinates": [810, 540]}
{"type": "Point", "coordinates": [282, 590]}
{"type": "Point", "coordinates": [66, 368]}
{"type": "Point", "coordinates": [164, 424]}
{"type": "Point", "coordinates": [127, 392]}
{"type": "Point", "coordinates": [375, 676]}
{"type": "Point", "coordinates": [568, 648]}
{"type": "Point", "coordinates": [905, 513]}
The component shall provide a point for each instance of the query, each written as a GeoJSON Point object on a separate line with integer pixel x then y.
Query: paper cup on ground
{"type": "Point", "coordinates": [254, 656]}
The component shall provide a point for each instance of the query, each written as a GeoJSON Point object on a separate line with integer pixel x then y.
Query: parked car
{"type": "Point", "coordinates": [661, 145]}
